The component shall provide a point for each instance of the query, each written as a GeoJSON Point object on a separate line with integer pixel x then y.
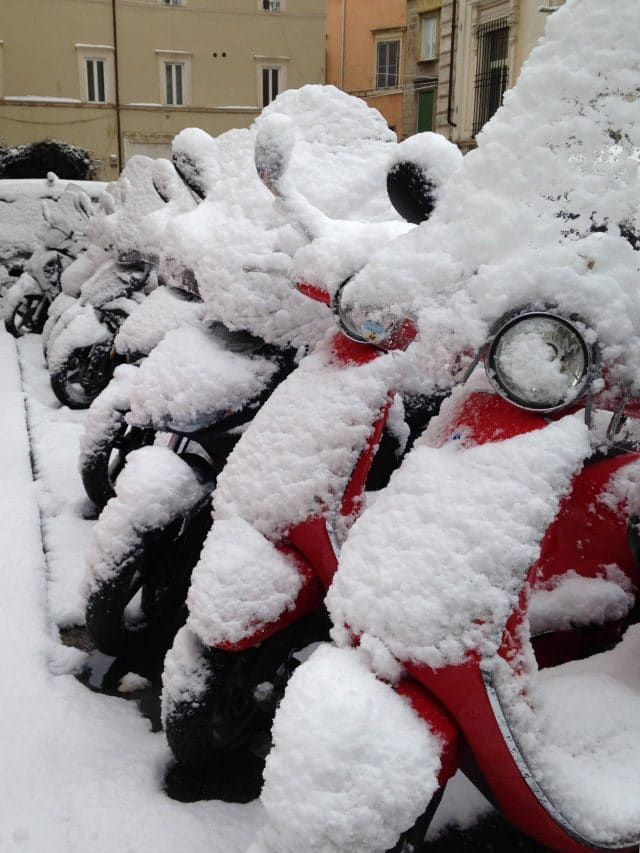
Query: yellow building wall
{"type": "Point", "coordinates": [42, 54]}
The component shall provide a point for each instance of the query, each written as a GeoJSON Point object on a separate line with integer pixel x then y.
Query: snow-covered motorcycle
{"type": "Point", "coordinates": [62, 238]}
{"type": "Point", "coordinates": [256, 596]}
{"type": "Point", "coordinates": [485, 607]}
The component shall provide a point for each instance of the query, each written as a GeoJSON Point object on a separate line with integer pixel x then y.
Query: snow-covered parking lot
{"type": "Point", "coordinates": [79, 770]}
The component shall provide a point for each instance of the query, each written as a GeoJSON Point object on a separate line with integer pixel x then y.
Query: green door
{"type": "Point", "coordinates": [426, 103]}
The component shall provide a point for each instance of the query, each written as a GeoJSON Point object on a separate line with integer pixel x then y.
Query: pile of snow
{"type": "Point", "coordinates": [155, 487]}
{"type": "Point", "coordinates": [160, 312]}
{"type": "Point", "coordinates": [352, 766]}
{"type": "Point", "coordinates": [449, 542]}
{"type": "Point", "coordinates": [191, 378]}
{"type": "Point", "coordinates": [581, 721]}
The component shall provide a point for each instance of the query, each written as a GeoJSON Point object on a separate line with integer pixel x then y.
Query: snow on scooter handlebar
{"type": "Point", "coordinates": [492, 587]}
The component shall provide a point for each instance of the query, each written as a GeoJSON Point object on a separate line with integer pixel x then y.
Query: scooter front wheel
{"type": "Point", "coordinates": [237, 694]}
{"type": "Point", "coordinates": [100, 469]}
{"type": "Point", "coordinates": [29, 315]}
{"type": "Point", "coordinates": [83, 374]}
{"type": "Point", "coordinates": [144, 600]}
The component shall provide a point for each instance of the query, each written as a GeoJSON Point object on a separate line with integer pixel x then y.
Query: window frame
{"type": "Point", "coordinates": [435, 18]}
{"type": "Point", "coordinates": [96, 53]}
{"type": "Point", "coordinates": [172, 2]}
{"type": "Point", "coordinates": [173, 83]}
{"type": "Point", "coordinates": [282, 4]}
{"type": "Point", "coordinates": [387, 39]}
{"type": "Point", "coordinates": [267, 63]}
{"type": "Point", "coordinates": [93, 79]}
{"type": "Point", "coordinates": [171, 58]}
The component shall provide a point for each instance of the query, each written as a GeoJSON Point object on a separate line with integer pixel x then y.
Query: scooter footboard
{"type": "Point", "coordinates": [352, 766]}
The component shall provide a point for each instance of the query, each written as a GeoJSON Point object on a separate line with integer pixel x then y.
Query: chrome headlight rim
{"type": "Point", "coordinates": [353, 335]}
{"type": "Point", "coordinates": [336, 307]}
{"type": "Point", "coordinates": [591, 354]}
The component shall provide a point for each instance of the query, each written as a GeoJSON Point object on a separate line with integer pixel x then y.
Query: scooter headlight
{"type": "Point", "coordinates": [540, 361]}
{"type": "Point", "coordinates": [366, 324]}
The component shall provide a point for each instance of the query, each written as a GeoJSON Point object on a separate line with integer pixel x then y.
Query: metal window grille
{"type": "Point", "coordinates": [492, 71]}
{"type": "Point", "coordinates": [96, 92]}
{"type": "Point", "coordinates": [387, 64]}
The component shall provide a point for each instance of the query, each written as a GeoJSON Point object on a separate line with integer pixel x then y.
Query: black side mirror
{"type": "Point", "coordinates": [411, 193]}
{"type": "Point", "coordinates": [275, 138]}
{"type": "Point", "coordinates": [187, 170]}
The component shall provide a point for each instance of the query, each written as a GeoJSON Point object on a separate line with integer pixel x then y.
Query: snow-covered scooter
{"type": "Point", "coordinates": [485, 607]}
{"type": "Point", "coordinates": [285, 499]}
{"type": "Point", "coordinates": [491, 592]}
{"type": "Point", "coordinates": [62, 238]}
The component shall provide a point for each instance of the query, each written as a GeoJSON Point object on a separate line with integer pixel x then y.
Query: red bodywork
{"type": "Point", "coordinates": [309, 544]}
{"type": "Point", "coordinates": [455, 701]}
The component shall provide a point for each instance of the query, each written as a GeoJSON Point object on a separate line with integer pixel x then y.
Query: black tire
{"type": "Point", "coordinates": [29, 315]}
{"type": "Point", "coordinates": [83, 375]}
{"type": "Point", "coordinates": [232, 715]}
{"type": "Point", "coordinates": [100, 471]}
{"type": "Point", "coordinates": [159, 567]}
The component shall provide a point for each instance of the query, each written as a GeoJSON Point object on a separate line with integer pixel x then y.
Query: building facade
{"type": "Point", "coordinates": [440, 65]}
{"type": "Point", "coordinates": [489, 40]}
{"type": "Point", "coordinates": [120, 77]}
{"type": "Point", "coordinates": [366, 50]}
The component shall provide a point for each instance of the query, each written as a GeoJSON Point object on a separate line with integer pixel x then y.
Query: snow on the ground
{"type": "Point", "coordinates": [79, 770]}
{"type": "Point", "coordinates": [83, 770]}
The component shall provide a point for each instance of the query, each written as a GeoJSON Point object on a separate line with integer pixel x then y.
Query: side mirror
{"type": "Point", "coordinates": [274, 142]}
{"type": "Point", "coordinates": [422, 164]}
{"type": "Point", "coordinates": [410, 191]}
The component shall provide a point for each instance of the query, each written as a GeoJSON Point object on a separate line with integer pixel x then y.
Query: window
{"type": "Point", "coordinates": [173, 81]}
{"type": "Point", "coordinates": [387, 64]}
{"type": "Point", "coordinates": [96, 77]}
{"type": "Point", "coordinates": [428, 38]}
{"type": "Point", "coordinates": [172, 2]}
{"type": "Point", "coordinates": [270, 85]}
{"type": "Point", "coordinates": [95, 73]}
{"type": "Point", "coordinates": [491, 70]}
{"type": "Point", "coordinates": [271, 5]}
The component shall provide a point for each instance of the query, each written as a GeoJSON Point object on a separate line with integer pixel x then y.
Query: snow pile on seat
{"type": "Point", "coordinates": [571, 601]}
{"type": "Point", "coordinates": [352, 766]}
{"type": "Point", "coordinates": [155, 487]}
{"type": "Point", "coordinates": [557, 162]}
{"type": "Point", "coordinates": [435, 566]}
{"type": "Point", "coordinates": [240, 583]}
{"type": "Point", "coordinates": [161, 311]}
{"type": "Point", "coordinates": [191, 378]}
{"type": "Point", "coordinates": [579, 731]}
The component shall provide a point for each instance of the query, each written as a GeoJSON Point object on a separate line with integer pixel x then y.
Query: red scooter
{"type": "Point", "coordinates": [288, 494]}
{"type": "Point", "coordinates": [486, 604]}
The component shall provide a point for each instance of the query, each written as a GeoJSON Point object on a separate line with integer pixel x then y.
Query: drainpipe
{"type": "Point", "coordinates": [450, 120]}
{"type": "Point", "coordinates": [117, 92]}
{"type": "Point", "coordinates": [342, 42]}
